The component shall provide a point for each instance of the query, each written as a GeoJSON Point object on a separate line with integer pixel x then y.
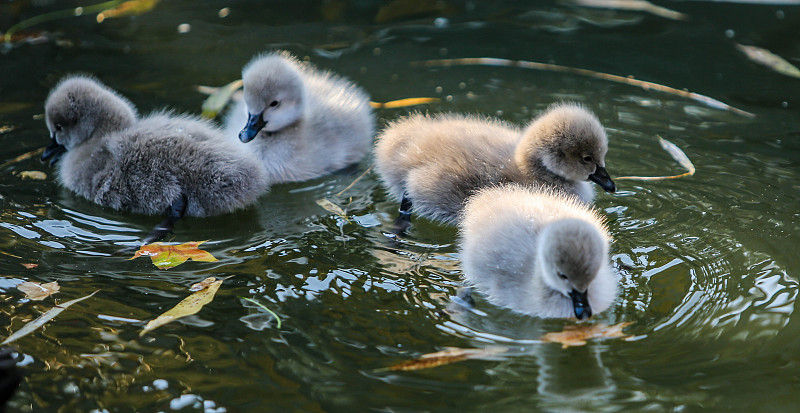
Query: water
{"type": "Point", "coordinates": [708, 264]}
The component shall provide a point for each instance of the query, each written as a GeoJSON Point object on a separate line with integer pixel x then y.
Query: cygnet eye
{"type": "Point", "coordinates": [588, 158]}
{"type": "Point", "coordinates": [562, 275]}
{"type": "Point", "coordinates": [274, 103]}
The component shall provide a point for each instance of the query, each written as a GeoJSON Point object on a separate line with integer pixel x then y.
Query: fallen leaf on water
{"type": "Point", "coordinates": [128, 8]}
{"type": "Point", "coordinates": [29, 266]}
{"type": "Point", "coordinates": [635, 5]}
{"type": "Point", "coordinates": [5, 129]}
{"type": "Point", "coordinates": [331, 207]}
{"type": "Point", "coordinates": [189, 306]}
{"type": "Point", "coordinates": [401, 103]}
{"type": "Point", "coordinates": [218, 97]}
{"type": "Point", "coordinates": [677, 154]}
{"type": "Point", "coordinates": [35, 175]}
{"type": "Point", "coordinates": [167, 256]}
{"type": "Point", "coordinates": [440, 358]}
{"type": "Point", "coordinates": [202, 285]}
{"type": "Point", "coordinates": [42, 319]}
{"type": "Point", "coordinates": [765, 57]}
{"type": "Point", "coordinates": [36, 291]}
{"type": "Point", "coordinates": [576, 335]}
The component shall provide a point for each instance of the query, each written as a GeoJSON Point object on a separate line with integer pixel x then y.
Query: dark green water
{"type": "Point", "coordinates": [709, 264]}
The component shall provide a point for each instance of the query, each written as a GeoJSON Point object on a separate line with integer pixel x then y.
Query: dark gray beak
{"type": "Point", "coordinates": [254, 124]}
{"type": "Point", "coordinates": [580, 302]}
{"type": "Point", "coordinates": [600, 177]}
{"type": "Point", "coordinates": [53, 151]}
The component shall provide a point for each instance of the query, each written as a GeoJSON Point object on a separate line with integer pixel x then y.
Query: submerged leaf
{"type": "Point", "coordinates": [128, 8]}
{"type": "Point", "coordinates": [765, 57]}
{"type": "Point", "coordinates": [402, 103]}
{"type": "Point", "coordinates": [36, 291]}
{"type": "Point", "coordinates": [331, 207]}
{"type": "Point", "coordinates": [189, 306]}
{"type": "Point", "coordinates": [576, 335]}
{"type": "Point", "coordinates": [440, 358]}
{"type": "Point", "coordinates": [167, 256]}
{"type": "Point", "coordinates": [218, 97]}
{"type": "Point", "coordinates": [42, 319]}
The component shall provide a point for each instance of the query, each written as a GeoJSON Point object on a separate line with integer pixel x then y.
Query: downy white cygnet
{"type": "Point", "coordinates": [163, 162]}
{"type": "Point", "coordinates": [434, 163]}
{"type": "Point", "coordinates": [304, 122]}
{"type": "Point", "coordinates": [537, 252]}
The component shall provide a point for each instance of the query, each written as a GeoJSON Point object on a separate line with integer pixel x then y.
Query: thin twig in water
{"type": "Point", "coordinates": [356, 180]}
{"type": "Point", "coordinates": [490, 61]}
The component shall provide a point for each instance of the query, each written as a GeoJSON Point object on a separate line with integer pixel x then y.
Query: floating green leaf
{"type": "Point", "coordinates": [189, 306]}
{"type": "Point", "coordinates": [218, 97]}
{"type": "Point", "coordinates": [42, 319]}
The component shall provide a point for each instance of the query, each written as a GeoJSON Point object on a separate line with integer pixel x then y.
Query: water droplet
{"type": "Point", "coordinates": [730, 33]}
{"type": "Point", "coordinates": [441, 22]}
{"type": "Point", "coordinates": [438, 89]}
{"type": "Point", "coordinates": [184, 28]}
{"type": "Point", "coordinates": [376, 51]}
{"type": "Point", "coordinates": [223, 13]}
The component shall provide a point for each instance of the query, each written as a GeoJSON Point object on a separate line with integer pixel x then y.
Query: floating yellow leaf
{"type": "Point", "coordinates": [331, 207]}
{"type": "Point", "coordinates": [42, 319]}
{"type": "Point", "coordinates": [35, 175]}
{"type": "Point", "coordinates": [36, 291]}
{"type": "Point", "coordinates": [202, 285]}
{"type": "Point", "coordinates": [189, 306]}
{"type": "Point", "coordinates": [576, 335]}
{"type": "Point", "coordinates": [167, 256]}
{"type": "Point", "coordinates": [765, 57]}
{"type": "Point", "coordinates": [128, 8]}
{"type": "Point", "coordinates": [218, 97]}
{"type": "Point", "coordinates": [677, 154]}
{"type": "Point", "coordinates": [401, 103]}
{"type": "Point", "coordinates": [440, 358]}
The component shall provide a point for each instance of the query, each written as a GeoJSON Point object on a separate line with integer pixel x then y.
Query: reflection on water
{"type": "Point", "coordinates": [707, 264]}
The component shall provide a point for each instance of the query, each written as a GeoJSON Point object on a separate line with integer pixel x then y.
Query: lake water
{"type": "Point", "coordinates": [709, 264]}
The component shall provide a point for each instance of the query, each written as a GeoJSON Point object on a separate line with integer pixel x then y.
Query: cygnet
{"type": "Point", "coordinates": [160, 163]}
{"type": "Point", "coordinates": [537, 252]}
{"type": "Point", "coordinates": [304, 122]}
{"type": "Point", "coordinates": [434, 163]}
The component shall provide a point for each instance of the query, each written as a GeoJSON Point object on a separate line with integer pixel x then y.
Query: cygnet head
{"type": "Point", "coordinates": [79, 108]}
{"type": "Point", "coordinates": [571, 143]}
{"type": "Point", "coordinates": [572, 252]}
{"type": "Point", "coordinates": [273, 92]}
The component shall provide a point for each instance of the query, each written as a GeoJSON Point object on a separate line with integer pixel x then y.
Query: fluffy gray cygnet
{"type": "Point", "coordinates": [537, 252]}
{"type": "Point", "coordinates": [304, 122]}
{"type": "Point", "coordinates": [160, 163]}
{"type": "Point", "coordinates": [434, 163]}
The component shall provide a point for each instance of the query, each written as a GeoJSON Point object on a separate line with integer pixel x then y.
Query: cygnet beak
{"type": "Point", "coordinates": [600, 177]}
{"type": "Point", "coordinates": [580, 302]}
{"type": "Point", "coordinates": [254, 124]}
{"type": "Point", "coordinates": [54, 151]}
